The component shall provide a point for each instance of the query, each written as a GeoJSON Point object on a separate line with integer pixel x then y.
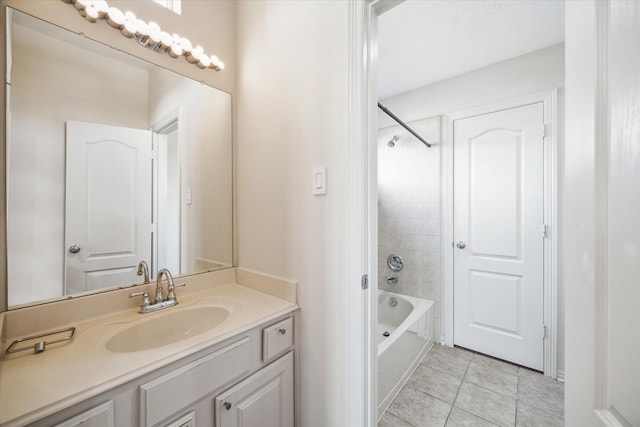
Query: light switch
{"type": "Point", "coordinates": [319, 183]}
{"type": "Point", "coordinates": [188, 196]}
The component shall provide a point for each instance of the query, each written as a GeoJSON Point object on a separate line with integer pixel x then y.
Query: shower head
{"type": "Point", "coordinates": [392, 141]}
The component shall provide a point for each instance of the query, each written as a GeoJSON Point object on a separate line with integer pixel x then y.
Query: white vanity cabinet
{"type": "Point", "coordinates": [234, 383]}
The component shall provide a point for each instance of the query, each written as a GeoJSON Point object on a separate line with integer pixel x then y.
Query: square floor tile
{"type": "Point", "coordinates": [436, 383]}
{"type": "Point", "coordinates": [490, 362]}
{"type": "Point", "coordinates": [493, 379]}
{"type": "Point", "coordinates": [450, 360]}
{"type": "Point", "coordinates": [419, 408]}
{"type": "Point", "coordinates": [541, 392]}
{"type": "Point", "coordinates": [487, 404]}
{"type": "Point", "coordinates": [460, 418]}
{"type": "Point", "coordinates": [389, 420]}
{"type": "Point", "coordinates": [528, 416]}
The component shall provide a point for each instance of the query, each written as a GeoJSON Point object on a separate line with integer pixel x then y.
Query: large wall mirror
{"type": "Point", "coordinates": [111, 160]}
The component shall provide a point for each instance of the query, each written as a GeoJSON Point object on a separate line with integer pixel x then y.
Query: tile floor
{"type": "Point", "coordinates": [457, 387]}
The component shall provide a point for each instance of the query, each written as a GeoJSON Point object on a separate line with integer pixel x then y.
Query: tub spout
{"type": "Point", "coordinates": [392, 280]}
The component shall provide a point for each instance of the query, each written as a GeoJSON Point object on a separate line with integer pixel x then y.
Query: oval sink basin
{"type": "Point", "coordinates": [157, 331]}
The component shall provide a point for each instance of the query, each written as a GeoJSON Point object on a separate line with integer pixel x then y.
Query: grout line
{"type": "Point", "coordinates": [478, 416]}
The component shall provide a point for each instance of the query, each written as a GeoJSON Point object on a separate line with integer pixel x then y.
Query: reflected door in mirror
{"type": "Point", "coordinates": [108, 205]}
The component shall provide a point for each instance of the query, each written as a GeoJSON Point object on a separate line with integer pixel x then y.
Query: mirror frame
{"type": "Point", "coordinates": [4, 282]}
{"type": "Point", "coordinates": [102, 35]}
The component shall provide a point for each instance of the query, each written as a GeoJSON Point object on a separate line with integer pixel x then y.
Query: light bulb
{"type": "Point", "coordinates": [142, 29]}
{"type": "Point", "coordinates": [166, 40]}
{"type": "Point", "coordinates": [195, 54]}
{"type": "Point", "coordinates": [221, 65]}
{"type": "Point", "coordinates": [154, 40]}
{"type": "Point", "coordinates": [115, 17]}
{"type": "Point", "coordinates": [153, 27]}
{"type": "Point", "coordinates": [102, 7]}
{"type": "Point", "coordinates": [81, 5]}
{"type": "Point", "coordinates": [175, 51]}
{"type": "Point", "coordinates": [129, 29]}
{"type": "Point", "coordinates": [186, 45]}
{"type": "Point", "coordinates": [204, 61]}
{"type": "Point", "coordinates": [91, 14]}
{"type": "Point", "coordinates": [130, 16]}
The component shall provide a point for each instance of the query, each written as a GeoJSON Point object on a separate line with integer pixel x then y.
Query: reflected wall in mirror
{"type": "Point", "coordinates": [110, 161]}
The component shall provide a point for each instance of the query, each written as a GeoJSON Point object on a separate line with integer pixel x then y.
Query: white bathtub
{"type": "Point", "coordinates": [409, 325]}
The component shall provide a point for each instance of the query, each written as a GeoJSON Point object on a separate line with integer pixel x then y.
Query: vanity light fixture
{"type": "Point", "coordinates": [149, 35]}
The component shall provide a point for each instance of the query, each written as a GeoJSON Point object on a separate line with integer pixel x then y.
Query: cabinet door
{"type": "Point", "coordinates": [264, 399]}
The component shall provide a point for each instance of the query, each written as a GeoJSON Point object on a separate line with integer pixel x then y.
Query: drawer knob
{"type": "Point", "coordinates": [282, 331]}
{"type": "Point", "coordinates": [227, 405]}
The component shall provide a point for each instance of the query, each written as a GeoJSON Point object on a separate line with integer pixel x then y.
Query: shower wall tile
{"type": "Point", "coordinates": [409, 212]}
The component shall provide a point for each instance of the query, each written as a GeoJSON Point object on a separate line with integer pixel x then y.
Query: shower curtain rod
{"type": "Point", "coordinates": [403, 124]}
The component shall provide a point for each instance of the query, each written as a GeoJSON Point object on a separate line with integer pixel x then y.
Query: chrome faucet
{"type": "Point", "coordinates": [159, 297]}
{"type": "Point", "coordinates": [159, 301]}
{"type": "Point", "coordinates": [170, 285]}
{"type": "Point", "coordinates": [143, 269]}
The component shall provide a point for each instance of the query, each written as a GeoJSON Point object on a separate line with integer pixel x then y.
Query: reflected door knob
{"type": "Point", "coordinates": [460, 244]}
{"type": "Point", "coordinates": [74, 249]}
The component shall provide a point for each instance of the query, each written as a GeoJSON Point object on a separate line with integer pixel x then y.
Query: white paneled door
{"type": "Point", "coordinates": [498, 234]}
{"type": "Point", "coordinates": [108, 205]}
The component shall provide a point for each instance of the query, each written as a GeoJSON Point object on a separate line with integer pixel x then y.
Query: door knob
{"type": "Point", "coordinates": [74, 249]}
{"type": "Point", "coordinates": [460, 244]}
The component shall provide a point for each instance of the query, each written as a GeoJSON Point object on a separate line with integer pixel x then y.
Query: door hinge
{"type": "Point", "coordinates": [154, 227]}
{"type": "Point", "coordinates": [544, 331]}
{"type": "Point", "coordinates": [545, 231]}
{"type": "Point", "coordinates": [364, 282]}
{"type": "Point", "coordinates": [545, 130]}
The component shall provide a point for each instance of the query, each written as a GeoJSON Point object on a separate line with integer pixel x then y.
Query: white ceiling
{"type": "Point", "coordinates": [424, 41]}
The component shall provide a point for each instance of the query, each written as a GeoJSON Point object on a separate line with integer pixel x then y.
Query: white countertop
{"type": "Point", "coordinates": [33, 386]}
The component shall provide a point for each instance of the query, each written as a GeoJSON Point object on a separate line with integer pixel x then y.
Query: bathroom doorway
{"type": "Point", "coordinates": [527, 77]}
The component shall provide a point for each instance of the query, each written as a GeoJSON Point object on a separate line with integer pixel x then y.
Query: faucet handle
{"type": "Point", "coordinates": [146, 302]}
{"type": "Point", "coordinates": [171, 296]}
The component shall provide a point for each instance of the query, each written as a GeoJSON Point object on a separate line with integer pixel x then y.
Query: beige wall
{"type": "Point", "coordinates": [292, 116]}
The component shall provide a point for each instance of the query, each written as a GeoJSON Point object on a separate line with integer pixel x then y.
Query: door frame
{"type": "Point", "coordinates": [159, 127]}
{"type": "Point", "coordinates": [550, 264]}
{"type": "Point", "coordinates": [362, 220]}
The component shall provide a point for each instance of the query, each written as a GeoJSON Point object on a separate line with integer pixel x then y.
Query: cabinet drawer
{"type": "Point", "coordinates": [102, 416]}
{"type": "Point", "coordinates": [276, 339]}
{"type": "Point", "coordinates": [180, 388]}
